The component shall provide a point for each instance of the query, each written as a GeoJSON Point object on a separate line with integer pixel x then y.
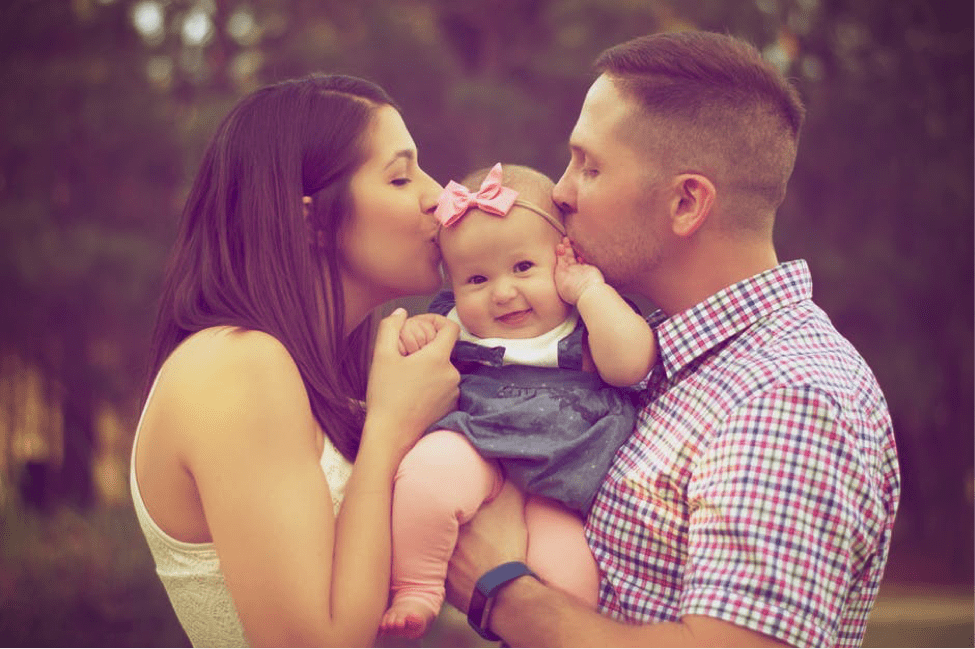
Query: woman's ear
{"type": "Point", "coordinates": [692, 203]}
{"type": "Point", "coordinates": [316, 236]}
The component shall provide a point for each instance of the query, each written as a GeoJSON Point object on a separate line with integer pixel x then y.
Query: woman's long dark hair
{"type": "Point", "coordinates": [246, 255]}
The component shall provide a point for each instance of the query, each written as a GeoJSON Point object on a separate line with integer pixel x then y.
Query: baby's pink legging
{"type": "Point", "coordinates": [440, 485]}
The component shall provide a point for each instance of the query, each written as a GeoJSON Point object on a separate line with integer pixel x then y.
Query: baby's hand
{"type": "Point", "coordinates": [418, 331]}
{"type": "Point", "coordinates": [572, 275]}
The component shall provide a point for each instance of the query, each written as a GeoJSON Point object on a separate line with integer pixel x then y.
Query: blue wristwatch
{"type": "Point", "coordinates": [485, 590]}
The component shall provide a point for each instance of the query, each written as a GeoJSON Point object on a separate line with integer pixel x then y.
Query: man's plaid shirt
{"type": "Point", "coordinates": [761, 483]}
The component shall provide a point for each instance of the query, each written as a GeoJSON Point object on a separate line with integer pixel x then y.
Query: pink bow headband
{"type": "Point", "coordinates": [492, 197]}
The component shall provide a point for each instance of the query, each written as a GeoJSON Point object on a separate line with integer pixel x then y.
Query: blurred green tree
{"type": "Point", "coordinates": [89, 170]}
{"type": "Point", "coordinates": [881, 203]}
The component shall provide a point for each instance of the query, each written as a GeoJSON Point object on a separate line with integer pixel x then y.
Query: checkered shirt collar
{"type": "Point", "coordinates": [689, 334]}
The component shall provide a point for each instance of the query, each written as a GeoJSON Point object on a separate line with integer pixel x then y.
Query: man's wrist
{"type": "Point", "coordinates": [513, 592]}
{"type": "Point", "coordinates": [486, 591]}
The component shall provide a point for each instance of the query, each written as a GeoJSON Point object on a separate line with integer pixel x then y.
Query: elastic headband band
{"type": "Point", "coordinates": [554, 222]}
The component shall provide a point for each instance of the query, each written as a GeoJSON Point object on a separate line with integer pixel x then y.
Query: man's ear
{"type": "Point", "coordinates": [692, 203]}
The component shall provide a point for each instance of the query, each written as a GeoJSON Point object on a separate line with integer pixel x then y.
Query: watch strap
{"type": "Point", "coordinates": [485, 590]}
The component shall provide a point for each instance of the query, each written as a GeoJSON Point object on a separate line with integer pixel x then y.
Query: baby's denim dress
{"type": "Point", "coordinates": [553, 430]}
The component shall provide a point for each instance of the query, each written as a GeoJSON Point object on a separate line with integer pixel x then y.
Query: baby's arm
{"type": "Point", "coordinates": [419, 330]}
{"type": "Point", "coordinates": [620, 340]}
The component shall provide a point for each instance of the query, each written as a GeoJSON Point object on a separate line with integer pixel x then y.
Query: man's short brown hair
{"type": "Point", "coordinates": [711, 104]}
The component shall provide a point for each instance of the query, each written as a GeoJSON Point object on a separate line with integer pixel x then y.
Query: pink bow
{"type": "Point", "coordinates": [491, 197]}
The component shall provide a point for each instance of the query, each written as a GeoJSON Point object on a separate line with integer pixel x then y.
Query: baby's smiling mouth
{"type": "Point", "coordinates": [514, 317]}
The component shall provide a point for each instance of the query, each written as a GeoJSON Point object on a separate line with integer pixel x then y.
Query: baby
{"type": "Point", "coordinates": [543, 340]}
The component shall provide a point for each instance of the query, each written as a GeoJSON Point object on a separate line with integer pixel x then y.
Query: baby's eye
{"type": "Point", "coordinates": [523, 266]}
{"type": "Point", "coordinates": [476, 279]}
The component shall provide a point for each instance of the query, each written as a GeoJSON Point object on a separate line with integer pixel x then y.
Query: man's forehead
{"type": "Point", "coordinates": [605, 97]}
{"type": "Point", "coordinates": [605, 118]}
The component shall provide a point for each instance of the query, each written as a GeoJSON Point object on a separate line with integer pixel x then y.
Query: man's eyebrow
{"type": "Point", "coordinates": [405, 153]}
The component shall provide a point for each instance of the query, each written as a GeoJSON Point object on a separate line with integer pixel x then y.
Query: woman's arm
{"type": "Point", "coordinates": [297, 577]}
{"type": "Point", "coordinates": [620, 340]}
{"type": "Point", "coordinates": [405, 395]}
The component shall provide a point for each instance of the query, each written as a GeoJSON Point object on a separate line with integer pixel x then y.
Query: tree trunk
{"type": "Point", "coordinates": [76, 379]}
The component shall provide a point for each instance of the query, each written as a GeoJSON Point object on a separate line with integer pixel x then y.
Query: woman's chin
{"type": "Point", "coordinates": [433, 285]}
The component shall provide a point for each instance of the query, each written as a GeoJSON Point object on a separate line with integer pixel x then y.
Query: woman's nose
{"type": "Point", "coordinates": [430, 195]}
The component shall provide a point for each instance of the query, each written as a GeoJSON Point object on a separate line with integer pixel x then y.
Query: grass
{"type": "Point", "coordinates": [87, 579]}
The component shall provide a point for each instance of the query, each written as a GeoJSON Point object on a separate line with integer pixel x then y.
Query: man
{"type": "Point", "coordinates": [754, 503]}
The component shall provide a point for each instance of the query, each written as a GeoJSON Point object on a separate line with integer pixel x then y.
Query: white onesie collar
{"type": "Point", "coordinates": [540, 351]}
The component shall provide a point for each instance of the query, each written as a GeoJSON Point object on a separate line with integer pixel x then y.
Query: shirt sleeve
{"type": "Point", "coordinates": [781, 516]}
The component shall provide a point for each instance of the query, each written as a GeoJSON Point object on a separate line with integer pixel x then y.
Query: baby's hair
{"type": "Point", "coordinates": [534, 190]}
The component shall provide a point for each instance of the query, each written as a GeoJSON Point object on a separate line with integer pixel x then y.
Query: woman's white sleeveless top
{"type": "Point", "coordinates": [191, 573]}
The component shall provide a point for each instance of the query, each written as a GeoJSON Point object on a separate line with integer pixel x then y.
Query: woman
{"type": "Point", "coordinates": [308, 212]}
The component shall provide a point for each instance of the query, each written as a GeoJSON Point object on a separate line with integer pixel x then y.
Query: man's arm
{"type": "Point", "coordinates": [528, 613]}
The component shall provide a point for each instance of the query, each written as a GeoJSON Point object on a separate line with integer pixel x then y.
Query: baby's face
{"type": "Point", "coordinates": [502, 269]}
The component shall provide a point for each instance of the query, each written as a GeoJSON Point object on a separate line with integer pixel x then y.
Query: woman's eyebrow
{"type": "Point", "coordinates": [405, 153]}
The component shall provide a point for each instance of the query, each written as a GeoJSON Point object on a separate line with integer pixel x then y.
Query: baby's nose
{"type": "Point", "coordinates": [504, 291]}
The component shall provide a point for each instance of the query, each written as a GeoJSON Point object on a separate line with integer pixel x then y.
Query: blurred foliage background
{"type": "Point", "coordinates": [106, 105]}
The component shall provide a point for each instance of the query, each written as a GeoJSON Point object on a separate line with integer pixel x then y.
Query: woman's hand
{"type": "Point", "coordinates": [408, 393]}
{"type": "Point", "coordinates": [418, 331]}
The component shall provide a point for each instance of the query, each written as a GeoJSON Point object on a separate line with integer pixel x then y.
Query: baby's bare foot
{"type": "Point", "coordinates": [406, 619]}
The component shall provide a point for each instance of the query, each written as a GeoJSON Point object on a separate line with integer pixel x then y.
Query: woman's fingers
{"type": "Point", "coordinates": [387, 334]}
{"type": "Point", "coordinates": [411, 392]}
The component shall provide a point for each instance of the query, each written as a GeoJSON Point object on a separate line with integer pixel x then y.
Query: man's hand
{"type": "Point", "coordinates": [418, 331]}
{"type": "Point", "coordinates": [496, 535]}
{"type": "Point", "coordinates": [572, 275]}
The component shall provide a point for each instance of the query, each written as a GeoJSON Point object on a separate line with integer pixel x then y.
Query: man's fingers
{"type": "Point", "coordinates": [511, 497]}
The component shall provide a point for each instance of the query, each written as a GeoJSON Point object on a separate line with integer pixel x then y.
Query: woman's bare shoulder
{"type": "Point", "coordinates": [231, 372]}
{"type": "Point", "coordinates": [242, 355]}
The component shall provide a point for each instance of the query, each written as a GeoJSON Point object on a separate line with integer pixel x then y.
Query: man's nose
{"type": "Point", "coordinates": [563, 194]}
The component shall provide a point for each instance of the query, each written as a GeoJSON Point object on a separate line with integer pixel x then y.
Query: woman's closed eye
{"type": "Point", "coordinates": [399, 182]}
